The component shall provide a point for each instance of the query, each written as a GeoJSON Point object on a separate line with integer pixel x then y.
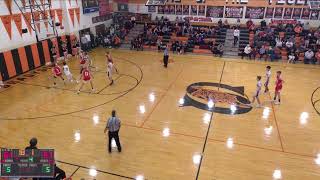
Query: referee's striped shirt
{"type": "Point", "coordinates": [113, 124]}
{"type": "Point", "coordinates": [166, 52]}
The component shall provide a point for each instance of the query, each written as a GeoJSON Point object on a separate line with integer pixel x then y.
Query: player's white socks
{"type": "Point", "coordinates": [259, 106]}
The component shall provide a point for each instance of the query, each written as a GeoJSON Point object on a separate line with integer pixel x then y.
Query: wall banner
{"type": "Point", "coordinates": [314, 15]}
{"type": "Point", "coordinates": [233, 12]}
{"type": "Point", "coordinates": [269, 12]}
{"type": "Point", "coordinates": [178, 9]}
{"type": "Point", "coordinates": [278, 12]}
{"type": "Point", "coordinates": [287, 13]}
{"type": "Point", "coordinates": [296, 13]}
{"type": "Point", "coordinates": [186, 9]}
{"type": "Point", "coordinates": [151, 9]}
{"type": "Point", "coordinates": [194, 10]}
{"type": "Point", "coordinates": [160, 9]}
{"type": "Point", "coordinates": [215, 11]}
{"type": "Point", "coordinates": [202, 10]}
{"type": "Point", "coordinates": [305, 13]}
{"type": "Point", "coordinates": [255, 12]}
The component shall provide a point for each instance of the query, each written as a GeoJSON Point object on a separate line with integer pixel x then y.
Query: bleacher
{"type": "Point", "coordinates": [244, 39]}
{"type": "Point", "coordinates": [170, 38]}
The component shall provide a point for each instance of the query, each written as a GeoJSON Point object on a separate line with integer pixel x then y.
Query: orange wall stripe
{"type": "Point", "coordinates": [46, 51]}
{"type": "Point", "coordinates": [10, 64]}
{"type": "Point", "coordinates": [35, 55]}
{"type": "Point", "coordinates": [23, 59]}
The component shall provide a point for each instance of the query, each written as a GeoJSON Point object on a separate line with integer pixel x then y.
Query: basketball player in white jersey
{"type": "Point", "coordinates": [268, 74]}
{"type": "Point", "coordinates": [256, 95]}
{"type": "Point", "coordinates": [109, 58]}
{"type": "Point", "coordinates": [67, 72]}
{"type": "Point", "coordinates": [109, 71]}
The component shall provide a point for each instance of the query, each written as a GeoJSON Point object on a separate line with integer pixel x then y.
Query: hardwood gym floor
{"type": "Point", "coordinates": [160, 139]}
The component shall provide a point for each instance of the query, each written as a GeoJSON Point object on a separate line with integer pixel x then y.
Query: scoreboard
{"type": "Point", "coordinates": [27, 163]}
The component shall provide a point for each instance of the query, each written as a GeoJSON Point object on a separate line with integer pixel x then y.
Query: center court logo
{"type": "Point", "coordinates": [227, 99]}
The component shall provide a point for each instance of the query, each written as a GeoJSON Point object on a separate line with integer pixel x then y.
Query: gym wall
{"type": "Point", "coordinates": [69, 26]}
{"type": "Point", "coordinates": [20, 53]}
{"type": "Point", "coordinates": [138, 6]}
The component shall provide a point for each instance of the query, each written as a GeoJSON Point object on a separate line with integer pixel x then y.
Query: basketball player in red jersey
{"type": "Point", "coordinates": [84, 57]}
{"type": "Point", "coordinates": [57, 73]}
{"type": "Point", "coordinates": [278, 88]}
{"type": "Point", "coordinates": [86, 77]}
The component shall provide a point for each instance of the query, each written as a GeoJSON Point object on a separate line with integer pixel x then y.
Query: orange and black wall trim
{"type": "Point", "coordinates": [23, 59]}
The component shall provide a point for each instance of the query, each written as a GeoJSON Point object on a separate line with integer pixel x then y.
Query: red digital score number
{"type": "Point", "coordinates": [46, 155]}
{"type": "Point", "coordinates": [6, 155]}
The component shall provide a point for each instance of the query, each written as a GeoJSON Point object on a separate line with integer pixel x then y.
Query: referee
{"type": "Point", "coordinates": [166, 56]}
{"type": "Point", "coordinates": [113, 127]}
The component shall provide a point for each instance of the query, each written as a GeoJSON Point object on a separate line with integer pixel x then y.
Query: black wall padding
{"type": "Point", "coordinates": [50, 46]}
{"type": "Point", "coordinates": [3, 68]}
{"type": "Point", "coordinates": [16, 60]}
{"type": "Point", "coordinates": [41, 53]}
{"type": "Point", "coordinates": [60, 46]}
{"type": "Point", "coordinates": [29, 57]}
{"type": "Point", "coordinates": [69, 44]}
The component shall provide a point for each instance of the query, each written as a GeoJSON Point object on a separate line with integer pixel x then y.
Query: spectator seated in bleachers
{"type": "Point", "coordinates": [317, 56]}
{"type": "Point", "coordinates": [178, 47]}
{"type": "Point", "coordinates": [116, 41]}
{"type": "Point", "coordinates": [107, 41]}
{"type": "Point", "coordinates": [262, 52]}
{"type": "Point", "coordinates": [161, 46]}
{"type": "Point", "coordinates": [269, 41]}
{"type": "Point", "coordinates": [286, 39]}
{"type": "Point", "coordinates": [218, 50]}
{"type": "Point", "coordinates": [226, 24]}
{"type": "Point", "coordinates": [172, 31]}
{"type": "Point", "coordinates": [291, 58]}
{"type": "Point", "coordinates": [309, 57]}
{"type": "Point", "coordinates": [273, 53]}
{"type": "Point", "coordinates": [254, 52]}
{"type": "Point", "coordinates": [220, 24]}
{"type": "Point", "coordinates": [247, 51]}
{"type": "Point", "coordinates": [137, 43]}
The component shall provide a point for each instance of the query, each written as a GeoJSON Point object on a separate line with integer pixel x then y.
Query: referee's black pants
{"type": "Point", "coordinates": [235, 40]}
{"type": "Point", "coordinates": [114, 135]}
{"type": "Point", "coordinates": [165, 61]}
{"type": "Point", "coordinates": [59, 173]}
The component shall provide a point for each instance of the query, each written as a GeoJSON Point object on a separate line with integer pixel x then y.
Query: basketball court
{"type": "Point", "coordinates": [163, 135]}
